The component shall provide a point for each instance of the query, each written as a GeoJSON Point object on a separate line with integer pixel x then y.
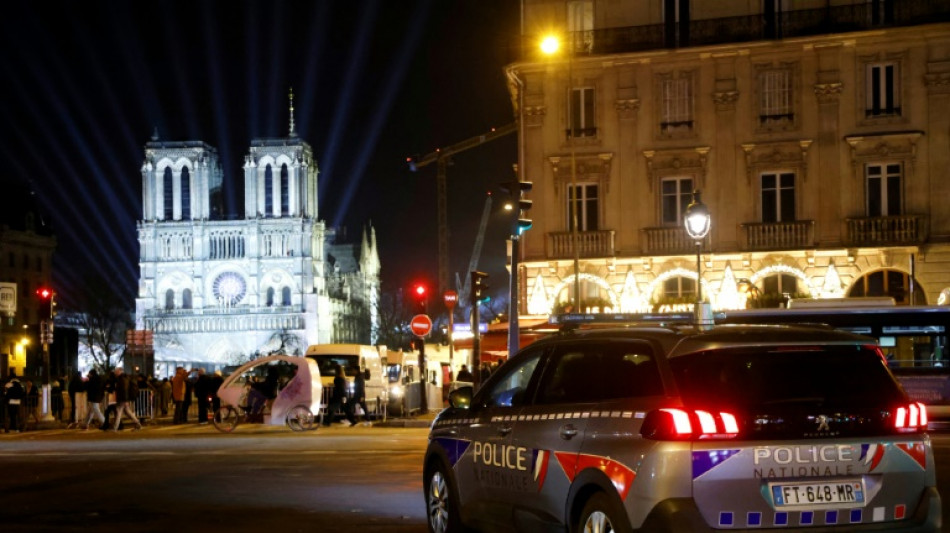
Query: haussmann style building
{"type": "Point", "coordinates": [818, 133]}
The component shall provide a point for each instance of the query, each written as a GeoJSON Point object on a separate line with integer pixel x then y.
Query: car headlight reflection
{"type": "Point", "coordinates": [396, 391]}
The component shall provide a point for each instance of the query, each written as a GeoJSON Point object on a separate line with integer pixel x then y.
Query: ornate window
{"type": "Point", "coordinates": [285, 297]}
{"type": "Point", "coordinates": [185, 194]}
{"type": "Point", "coordinates": [268, 191]}
{"type": "Point", "coordinates": [581, 112]}
{"type": "Point", "coordinates": [587, 203]}
{"type": "Point", "coordinates": [675, 194]}
{"type": "Point", "coordinates": [883, 90]}
{"type": "Point", "coordinates": [284, 190]}
{"type": "Point", "coordinates": [883, 189]}
{"type": "Point", "coordinates": [229, 288]}
{"type": "Point", "coordinates": [778, 197]}
{"type": "Point", "coordinates": [168, 195]}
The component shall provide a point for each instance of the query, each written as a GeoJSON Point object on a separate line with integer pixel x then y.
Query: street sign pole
{"type": "Point", "coordinates": [451, 298]}
{"type": "Point", "coordinates": [421, 325]}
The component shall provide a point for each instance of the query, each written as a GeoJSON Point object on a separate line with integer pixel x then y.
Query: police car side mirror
{"type": "Point", "coordinates": [461, 398]}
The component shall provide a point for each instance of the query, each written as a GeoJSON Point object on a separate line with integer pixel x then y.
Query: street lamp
{"type": "Point", "coordinates": [698, 222]}
{"type": "Point", "coordinates": [551, 45]}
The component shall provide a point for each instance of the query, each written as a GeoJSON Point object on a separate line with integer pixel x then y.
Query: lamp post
{"type": "Point", "coordinates": [550, 46]}
{"type": "Point", "coordinates": [698, 222]}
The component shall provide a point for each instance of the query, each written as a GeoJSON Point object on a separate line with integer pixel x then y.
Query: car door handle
{"type": "Point", "coordinates": [568, 431]}
{"type": "Point", "coordinates": [504, 430]}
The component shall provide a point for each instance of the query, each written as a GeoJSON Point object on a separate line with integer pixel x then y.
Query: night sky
{"type": "Point", "coordinates": [87, 83]}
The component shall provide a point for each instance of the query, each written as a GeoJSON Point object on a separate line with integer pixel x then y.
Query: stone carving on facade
{"type": "Point", "coordinates": [771, 155]}
{"type": "Point", "coordinates": [828, 93]}
{"type": "Point", "coordinates": [895, 146]}
{"type": "Point", "coordinates": [587, 168]}
{"type": "Point", "coordinates": [627, 108]}
{"type": "Point", "coordinates": [725, 100]}
{"type": "Point", "coordinates": [937, 82]}
{"type": "Point", "coordinates": [677, 161]}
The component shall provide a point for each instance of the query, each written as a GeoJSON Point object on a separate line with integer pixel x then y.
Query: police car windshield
{"type": "Point", "coordinates": [777, 377]}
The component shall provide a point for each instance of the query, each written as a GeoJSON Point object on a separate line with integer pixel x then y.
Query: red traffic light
{"type": "Point", "coordinates": [420, 291]}
{"type": "Point", "coordinates": [45, 293]}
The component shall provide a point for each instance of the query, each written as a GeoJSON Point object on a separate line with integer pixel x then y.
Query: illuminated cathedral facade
{"type": "Point", "coordinates": [218, 292]}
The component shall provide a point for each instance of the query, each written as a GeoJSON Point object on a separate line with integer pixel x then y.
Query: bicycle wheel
{"type": "Point", "coordinates": [226, 419]}
{"type": "Point", "coordinates": [300, 419]}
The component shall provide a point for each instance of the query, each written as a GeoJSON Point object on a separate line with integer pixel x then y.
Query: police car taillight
{"type": "Point", "coordinates": [682, 424]}
{"type": "Point", "coordinates": [911, 418]}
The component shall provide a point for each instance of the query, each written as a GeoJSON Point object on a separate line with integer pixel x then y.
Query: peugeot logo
{"type": "Point", "coordinates": [823, 423]}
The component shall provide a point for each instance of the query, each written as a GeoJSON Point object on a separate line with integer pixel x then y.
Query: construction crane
{"type": "Point", "coordinates": [463, 289]}
{"type": "Point", "coordinates": [443, 158]}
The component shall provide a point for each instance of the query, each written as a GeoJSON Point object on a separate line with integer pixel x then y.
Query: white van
{"type": "Point", "coordinates": [353, 358]}
{"type": "Point", "coordinates": [402, 369]}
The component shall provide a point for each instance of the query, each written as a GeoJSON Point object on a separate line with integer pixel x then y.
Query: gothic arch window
{"type": "Point", "coordinates": [186, 299]}
{"type": "Point", "coordinates": [285, 296]}
{"type": "Point", "coordinates": [888, 282]}
{"type": "Point", "coordinates": [268, 191]}
{"type": "Point", "coordinates": [270, 297]}
{"type": "Point", "coordinates": [168, 194]}
{"type": "Point", "coordinates": [284, 190]}
{"type": "Point", "coordinates": [169, 299]}
{"type": "Point", "coordinates": [185, 194]}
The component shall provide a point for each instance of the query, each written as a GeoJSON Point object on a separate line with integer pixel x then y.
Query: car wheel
{"type": "Point", "coordinates": [225, 419]}
{"type": "Point", "coordinates": [601, 515]}
{"type": "Point", "coordinates": [442, 507]}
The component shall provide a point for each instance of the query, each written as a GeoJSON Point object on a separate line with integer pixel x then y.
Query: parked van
{"type": "Point", "coordinates": [353, 358]}
{"type": "Point", "coordinates": [402, 370]}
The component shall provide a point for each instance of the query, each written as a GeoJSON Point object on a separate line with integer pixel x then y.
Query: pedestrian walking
{"type": "Point", "coordinates": [359, 395]}
{"type": "Point", "coordinates": [203, 395]}
{"type": "Point", "coordinates": [14, 393]}
{"type": "Point", "coordinates": [57, 405]}
{"type": "Point", "coordinates": [31, 404]}
{"type": "Point", "coordinates": [178, 395]}
{"type": "Point", "coordinates": [337, 402]}
{"type": "Point", "coordinates": [95, 391]}
{"type": "Point", "coordinates": [126, 389]}
{"type": "Point", "coordinates": [216, 381]}
{"type": "Point", "coordinates": [165, 391]}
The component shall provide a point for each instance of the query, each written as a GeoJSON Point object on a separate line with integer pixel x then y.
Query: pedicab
{"type": "Point", "coordinates": [298, 398]}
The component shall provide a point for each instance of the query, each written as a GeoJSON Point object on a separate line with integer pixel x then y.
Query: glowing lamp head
{"type": "Point", "coordinates": [697, 218]}
{"type": "Point", "coordinates": [550, 45]}
{"type": "Point", "coordinates": [45, 293]}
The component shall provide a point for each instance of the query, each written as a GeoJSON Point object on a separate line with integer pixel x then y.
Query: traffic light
{"type": "Point", "coordinates": [420, 293]}
{"type": "Point", "coordinates": [519, 188]}
{"type": "Point", "coordinates": [48, 301]}
{"type": "Point", "coordinates": [479, 287]}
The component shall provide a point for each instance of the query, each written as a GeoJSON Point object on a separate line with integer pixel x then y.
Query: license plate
{"type": "Point", "coordinates": [811, 494]}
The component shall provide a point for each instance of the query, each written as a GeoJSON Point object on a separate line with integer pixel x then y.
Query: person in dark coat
{"type": "Point", "coordinates": [57, 405]}
{"type": "Point", "coordinates": [465, 375]}
{"type": "Point", "coordinates": [95, 392]}
{"type": "Point", "coordinates": [203, 395]}
{"type": "Point", "coordinates": [338, 399]}
{"type": "Point", "coordinates": [359, 394]}
{"type": "Point", "coordinates": [74, 387]}
{"type": "Point", "coordinates": [216, 381]}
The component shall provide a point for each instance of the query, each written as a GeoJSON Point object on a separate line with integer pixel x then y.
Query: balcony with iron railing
{"type": "Point", "coordinates": [798, 23]}
{"type": "Point", "coordinates": [779, 235]}
{"type": "Point", "coordinates": [560, 244]}
{"type": "Point", "coordinates": [671, 240]}
{"type": "Point", "coordinates": [881, 231]}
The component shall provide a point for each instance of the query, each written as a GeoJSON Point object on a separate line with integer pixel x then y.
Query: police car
{"type": "Point", "coordinates": [652, 428]}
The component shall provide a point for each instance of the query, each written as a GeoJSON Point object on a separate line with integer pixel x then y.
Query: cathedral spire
{"type": "Point", "coordinates": [292, 132]}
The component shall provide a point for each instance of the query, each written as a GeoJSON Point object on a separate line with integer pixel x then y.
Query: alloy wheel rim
{"type": "Point", "coordinates": [438, 504]}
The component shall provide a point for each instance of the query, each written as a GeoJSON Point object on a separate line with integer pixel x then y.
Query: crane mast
{"type": "Point", "coordinates": [443, 157]}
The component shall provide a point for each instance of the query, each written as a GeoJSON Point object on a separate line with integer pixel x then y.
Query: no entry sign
{"type": "Point", "coordinates": [420, 325]}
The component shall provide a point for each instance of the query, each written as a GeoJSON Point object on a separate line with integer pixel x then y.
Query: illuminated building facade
{"type": "Point", "coordinates": [818, 133]}
{"type": "Point", "coordinates": [217, 292]}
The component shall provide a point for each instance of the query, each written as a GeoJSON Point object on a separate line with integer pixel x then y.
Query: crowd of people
{"type": "Point", "coordinates": [107, 401]}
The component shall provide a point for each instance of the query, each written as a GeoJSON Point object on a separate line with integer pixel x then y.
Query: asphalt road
{"type": "Point", "coordinates": [175, 479]}
{"type": "Point", "coordinates": [258, 479]}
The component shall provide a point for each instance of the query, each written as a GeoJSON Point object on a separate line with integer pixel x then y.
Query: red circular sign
{"type": "Point", "coordinates": [420, 325]}
{"type": "Point", "coordinates": [450, 298]}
